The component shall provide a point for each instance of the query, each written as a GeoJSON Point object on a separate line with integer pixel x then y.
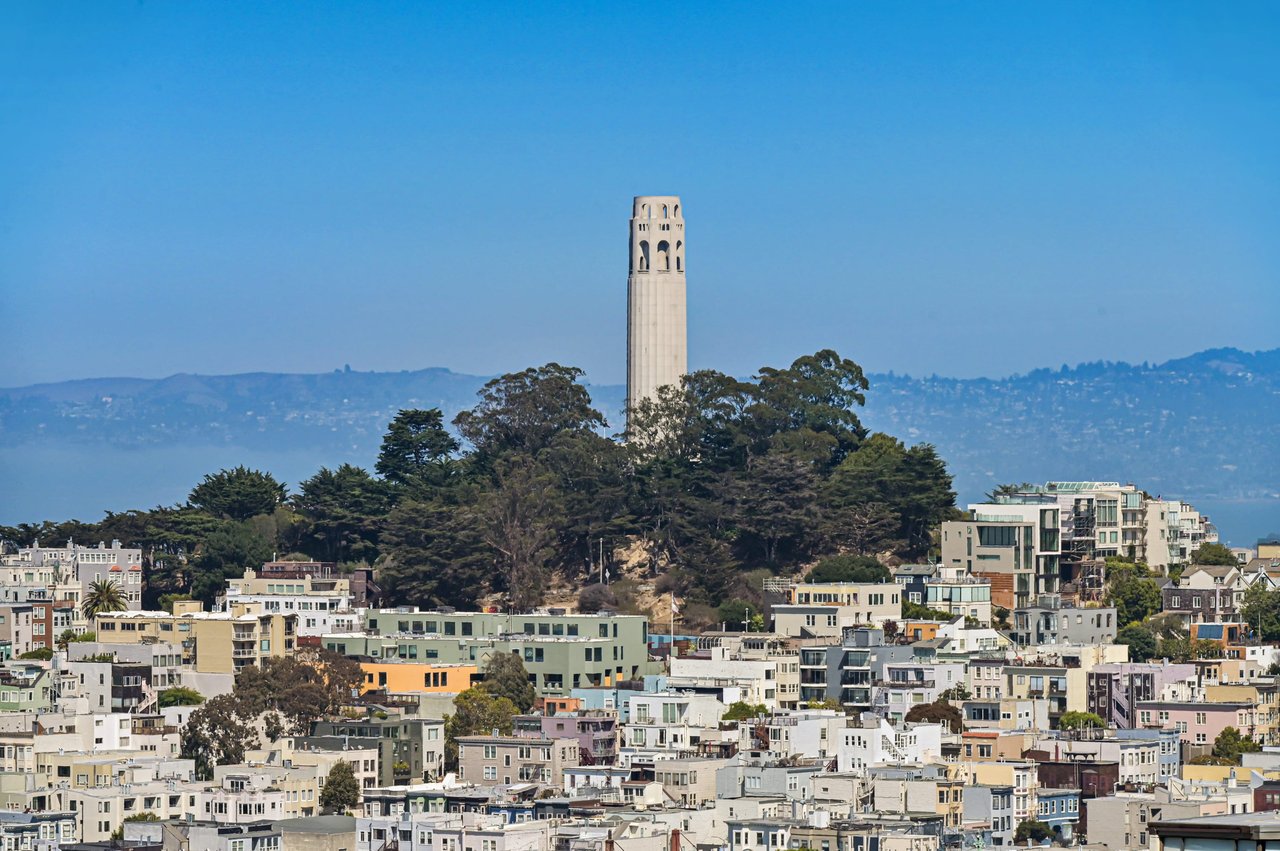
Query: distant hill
{"type": "Point", "coordinates": [342, 410]}
{"type": "Point", "coordinates": [1205, 427]}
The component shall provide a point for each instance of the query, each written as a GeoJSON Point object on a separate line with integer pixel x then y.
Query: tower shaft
{"type": "Point", "coordinates": [657, 352]}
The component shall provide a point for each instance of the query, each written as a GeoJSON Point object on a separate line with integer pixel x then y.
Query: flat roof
{"type": "Point", "coordinates": [318, 824]}
{"type": "Point", "coordinates": [1261, 825]}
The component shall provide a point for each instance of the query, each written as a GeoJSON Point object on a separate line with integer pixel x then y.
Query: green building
{"type": "Point", "coordinates": [561, 652]}
{"type": "Point", "coordinates": [25, 688]}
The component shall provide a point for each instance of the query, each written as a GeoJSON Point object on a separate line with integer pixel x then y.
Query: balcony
{"type": "Point", "coordinates": [905, 683]}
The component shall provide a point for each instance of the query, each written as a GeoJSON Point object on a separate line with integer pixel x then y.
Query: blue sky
{"type": "Point", "coordinates": [947, 188]}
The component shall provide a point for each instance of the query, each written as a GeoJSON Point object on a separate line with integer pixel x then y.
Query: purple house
{"type": "Point", "coordinates": [1114, 690]}
{"type": "Point", "coordinates": [596, 732]}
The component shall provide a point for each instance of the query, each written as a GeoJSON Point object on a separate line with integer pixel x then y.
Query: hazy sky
{"type": "Point", "coordinates": [955, 188]}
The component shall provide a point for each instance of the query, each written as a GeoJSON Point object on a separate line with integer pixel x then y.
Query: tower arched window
{"type": "Point", "coordinates": [676, 211]}
{"type": "Point", "coordinates": [664, 211]}
{"type": "Point", "coordinates": [644, 211]}
{"type": "Point", "coordinates": [679, 255]}
{"type": "Point", "coordinates": [642, 259]}
{"type": "Point", "coordinates": [664, 256]}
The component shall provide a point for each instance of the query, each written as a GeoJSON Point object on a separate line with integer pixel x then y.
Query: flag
{"type": "Point", "coordinates": [675, 610]}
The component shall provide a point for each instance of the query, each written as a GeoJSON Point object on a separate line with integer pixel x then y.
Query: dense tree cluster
{"type": "Point", "coordinates": [1133, 590]}
{"type": "Point", "coordinates": [743, 711]}
{"type": "Point", "coordinates": [476, 712]}
{"type": "Point", "coordinates": [284, 696]}
{"type": "Point", "coordinates": [849, 568]}
{"type": "Point", "coordinates": [938, 712]}
{"type": "Point", "coordinates": [1032, 830]}
{"type": "Point", "coordinates": [720, 481]}
{"type": "Point", "coordinates": [1217, 554]}
{"type": "Point", "coordinates": [1081, 721]}
{"type": "Point", "coordinates": [506, 676]}
{"type": "Point", "coordinates": [1231, 743]}
{"type": "Point", "coordinates": [1260, 609]}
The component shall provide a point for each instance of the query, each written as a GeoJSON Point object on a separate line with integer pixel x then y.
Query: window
{"type": "Point", "coordinates": [997, 536]}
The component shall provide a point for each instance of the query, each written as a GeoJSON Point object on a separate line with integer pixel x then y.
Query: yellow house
{"type": "Point", "coordinates": [951, 801]}
{"type": "Point", "coordinates": [1214, 671]}
{"type": "Point", "coordinates": [212, 642]}
{"type": "Point", "coordinates": [82, 769]}
{"type": "Point", "coordinates": [1022, 775]}
{"type": "Point", "coordinates": [252, 584]}
{"type": "Point", "coordinates": [418, 677]}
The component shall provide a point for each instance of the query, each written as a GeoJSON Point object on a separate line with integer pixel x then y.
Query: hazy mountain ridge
{"type": "Point", "coordinates": [1200, 426]}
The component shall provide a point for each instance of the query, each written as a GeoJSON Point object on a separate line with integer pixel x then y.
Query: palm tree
{"type": "Point", "coordinates": [103, 596]}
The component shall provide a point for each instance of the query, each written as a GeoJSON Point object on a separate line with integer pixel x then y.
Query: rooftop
{"type": "Point", "coordinates": [1263, 825]}
{"type": "Point", "coordinates": [318, 824]}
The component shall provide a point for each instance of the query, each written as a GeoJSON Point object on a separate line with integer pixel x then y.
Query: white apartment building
{"type": "Point", "coordinates": [317, 615]}
{"type": "Point", "coordinates": [1100, 519]}
{"type": "Point", "coordinates": [674, 721]}
{"type": "Point", "coordinates": [453, 832]}
{"type": "Point", "coordinates": [908, 684]}
{"type": "Point", "coordinates": [753, 680]}
{"type": "Point", "coordinates": [877, 742]}
{"type": "Point", "coordinates": [859, 603]}
{"type": "Point", "coordinates": [323, 605]}
{"type": "Point", "coordinates": [77, 565]}
{"type": "Point", "coordinates": [774, 647]}
{"type": "Point", "coordinates": [803, 733]}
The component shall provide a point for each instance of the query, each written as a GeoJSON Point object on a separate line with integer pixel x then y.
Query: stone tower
{"type": "Point", "coordinates": [656, 348]}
